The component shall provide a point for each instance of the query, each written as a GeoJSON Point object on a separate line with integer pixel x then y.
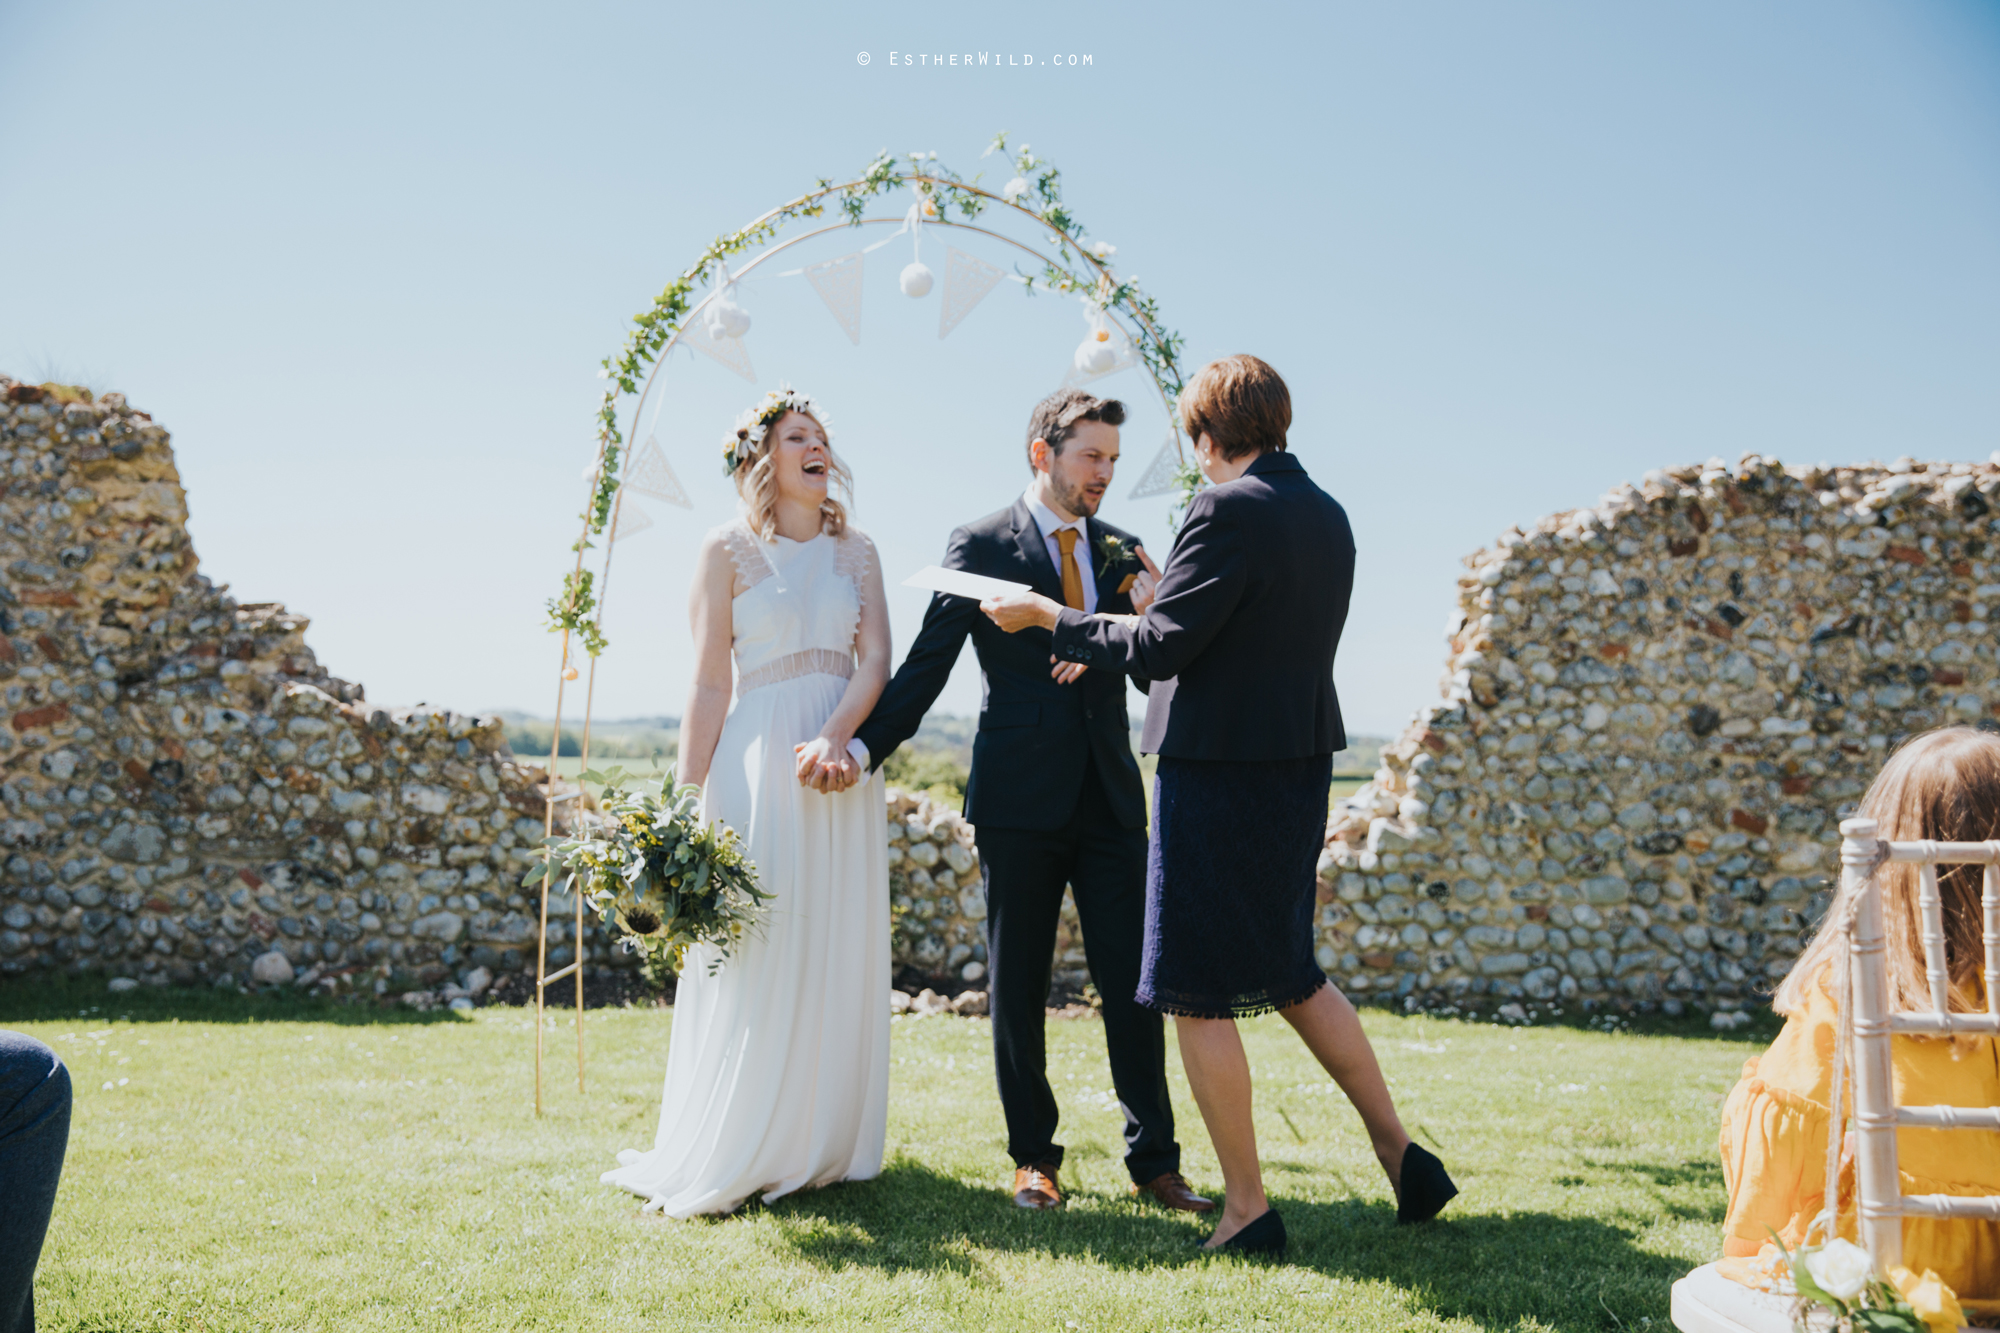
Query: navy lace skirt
{"type": "Point", "coordinates": [1230, 885]}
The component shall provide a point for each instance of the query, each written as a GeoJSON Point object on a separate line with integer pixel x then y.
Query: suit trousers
{"type": "Point", "coordinates": [1104, 865]}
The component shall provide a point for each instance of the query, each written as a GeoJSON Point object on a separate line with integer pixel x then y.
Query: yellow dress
{"type": "Point", "coordinates": [1774, 1148]}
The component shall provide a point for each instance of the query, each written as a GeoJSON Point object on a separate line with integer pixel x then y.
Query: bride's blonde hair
{"type": "Point", "coordinates": [1943, 786]}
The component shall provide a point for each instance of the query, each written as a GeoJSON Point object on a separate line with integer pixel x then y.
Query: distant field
{"type": "Point", "coordinates": [1346, 784]}
{"type": "Point", "coordinates": [935, 759]}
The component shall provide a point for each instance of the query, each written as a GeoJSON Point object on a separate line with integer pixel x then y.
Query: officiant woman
{"type": "Point", "coordinates": [1239, 643]}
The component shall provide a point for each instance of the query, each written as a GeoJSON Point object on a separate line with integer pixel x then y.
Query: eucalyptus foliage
{"type": "Point", "coordinates": [939, 189]}
{"type": "Point", "coordinates": [649, 863]}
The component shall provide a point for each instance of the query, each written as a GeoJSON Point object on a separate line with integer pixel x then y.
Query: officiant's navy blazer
{"type": "Point", "coordinates": [1240, 641]}
{"type": "Point", "coordinates": [1029, 758]}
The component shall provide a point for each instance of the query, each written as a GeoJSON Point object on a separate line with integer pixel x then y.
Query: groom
{"type": "Point", "coordinates": [1055, 792]}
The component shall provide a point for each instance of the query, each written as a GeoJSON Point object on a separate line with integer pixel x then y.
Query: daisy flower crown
{"type": "Point", "coordinates": [740, 445]}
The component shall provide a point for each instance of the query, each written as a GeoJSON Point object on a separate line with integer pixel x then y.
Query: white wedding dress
{"type": "Point", "coordinates": [778, 1065]}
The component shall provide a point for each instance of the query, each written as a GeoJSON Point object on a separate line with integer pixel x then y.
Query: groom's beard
{"type": "Point", "coordinates": [1076, 500]}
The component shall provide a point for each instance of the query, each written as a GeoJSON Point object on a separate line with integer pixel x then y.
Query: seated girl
{"type": "Point", "coordinates": [1944, 785]}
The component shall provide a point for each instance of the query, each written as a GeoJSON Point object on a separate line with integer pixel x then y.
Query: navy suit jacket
{"type": "Point", "coordinates": [1029, 757]}
{"type": "Point", "coordinates": [1241, 639]}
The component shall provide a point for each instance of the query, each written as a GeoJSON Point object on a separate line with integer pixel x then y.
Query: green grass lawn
{"type": "Point", "coordinates": [255, 1163]}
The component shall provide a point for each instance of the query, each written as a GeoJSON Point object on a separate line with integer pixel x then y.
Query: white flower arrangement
{"type": "Point", "coordinates": [1837, 1282]}
{"type": "Point", "coordinates": [741, 443]}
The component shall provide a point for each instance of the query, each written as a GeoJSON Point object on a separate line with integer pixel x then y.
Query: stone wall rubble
{"type": "Point", "coordinates": [1655, 713]}
{"type": "Point", "coordinates": [185, 788]}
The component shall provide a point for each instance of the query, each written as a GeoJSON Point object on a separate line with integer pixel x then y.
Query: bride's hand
{"type": "Point", "coordinates": [808, 757]}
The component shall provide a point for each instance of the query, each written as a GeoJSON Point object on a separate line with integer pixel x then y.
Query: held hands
{"type": "Point", "coordinates": [825, 766]}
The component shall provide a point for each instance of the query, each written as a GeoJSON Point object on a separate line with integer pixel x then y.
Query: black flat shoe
{"type": "Point", "coordinates": [1266, 1235]}
{"type": "Point", "coordinates": [1426, 1187]}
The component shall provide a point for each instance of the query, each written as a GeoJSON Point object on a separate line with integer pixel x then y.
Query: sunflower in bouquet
{"type": "Point", "coordinates": [649, 863]}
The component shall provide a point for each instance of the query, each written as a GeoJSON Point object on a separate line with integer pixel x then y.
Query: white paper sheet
{"type": "Point", "coordinates": [961, 584]}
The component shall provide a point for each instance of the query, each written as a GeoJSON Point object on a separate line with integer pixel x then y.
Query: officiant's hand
{"type": "Point", "coordinates": [1016, 611]}
{"type": "Point", "coordinates": [1146, 584]}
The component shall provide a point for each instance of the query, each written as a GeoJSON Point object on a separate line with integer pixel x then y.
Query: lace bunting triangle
{"type": "Point", "coordinates": [838, 282]}
{"type": "Point", "coordinates": [631, 519]}
{"type": "Point", "coordinates": [651, 475]}
{"type": "Point", "coordinates": [966, 281]}
{"type": "Point", "coordinates": [729, 352]}
{"type": "Point", "coordinates": [1158, 478]}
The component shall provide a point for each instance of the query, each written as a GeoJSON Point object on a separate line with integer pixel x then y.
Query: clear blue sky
{"type": "Point", "coordinates": [363, 260]}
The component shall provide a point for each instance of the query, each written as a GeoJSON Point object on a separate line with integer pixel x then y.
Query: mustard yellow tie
{"type": "Point", "coordinates": [1072, 577]}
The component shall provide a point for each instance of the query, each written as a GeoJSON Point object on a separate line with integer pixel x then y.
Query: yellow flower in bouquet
{"type": "Point", "coordinates": [1930, 1299]}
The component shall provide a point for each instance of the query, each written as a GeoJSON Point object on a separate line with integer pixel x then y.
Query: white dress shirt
{"type": "Point", "coordinates": [1046, 520]}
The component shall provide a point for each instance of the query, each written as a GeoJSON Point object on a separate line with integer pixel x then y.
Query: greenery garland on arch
{"type": "Point", "coordinates": [1078, 269]}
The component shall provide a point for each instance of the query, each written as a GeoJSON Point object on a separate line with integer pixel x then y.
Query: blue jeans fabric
{"type": "Point", "coordinates": [34, 1133]}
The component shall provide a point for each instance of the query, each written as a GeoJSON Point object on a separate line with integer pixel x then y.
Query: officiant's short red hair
{"type": "Point", "coordinates": [1240, 403]}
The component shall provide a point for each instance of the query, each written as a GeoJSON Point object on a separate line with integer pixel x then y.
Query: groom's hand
{"type": "Point", "coordinates": [1065, 672]}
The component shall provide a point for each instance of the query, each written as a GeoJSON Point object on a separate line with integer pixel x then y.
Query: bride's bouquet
{"type": "Point", "coordinates": [647, 861]}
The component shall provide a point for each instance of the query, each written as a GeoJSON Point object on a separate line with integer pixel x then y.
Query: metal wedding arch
{"type": "Point", "coordinates": [1067, 266]}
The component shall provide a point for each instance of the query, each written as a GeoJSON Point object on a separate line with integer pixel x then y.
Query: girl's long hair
{"type": "Point", "coordinates": [757, 484]}
{"type": "Point", "coordinates": [1943, 786]}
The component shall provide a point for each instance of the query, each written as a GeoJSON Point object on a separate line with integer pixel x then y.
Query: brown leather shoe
{"type": "Point", "coordinates": [1171, 1190]}
{"type": "Point", "coordinates": [1036, 1187]}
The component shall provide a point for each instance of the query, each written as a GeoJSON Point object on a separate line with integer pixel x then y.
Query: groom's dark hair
{"type": "Point", "coordinates": [1054, 418]}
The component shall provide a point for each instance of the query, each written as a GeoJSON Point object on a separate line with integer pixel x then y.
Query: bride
{"type": "Point", "coordinates": [778, 1064]}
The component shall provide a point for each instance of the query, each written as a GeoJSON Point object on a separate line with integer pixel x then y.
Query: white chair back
{"type": "Point", "coordinates": [1882, 1204]}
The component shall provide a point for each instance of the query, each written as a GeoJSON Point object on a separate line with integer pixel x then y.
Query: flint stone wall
{"type": "Point", "coordinates": [184, 786]}
{"type": "Point", "coordinates": [1655, 713]}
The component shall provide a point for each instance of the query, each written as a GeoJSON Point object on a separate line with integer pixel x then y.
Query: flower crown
{"type": "Point", "coordinates": [741, 443]}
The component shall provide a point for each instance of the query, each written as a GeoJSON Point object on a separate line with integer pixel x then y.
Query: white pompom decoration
{"type": "Point", "coordinates": [916, 280]}
{"type": "Point", "coordinates": [726, 319]}
{"type": "Point", "coordinates": [1094, 357]}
